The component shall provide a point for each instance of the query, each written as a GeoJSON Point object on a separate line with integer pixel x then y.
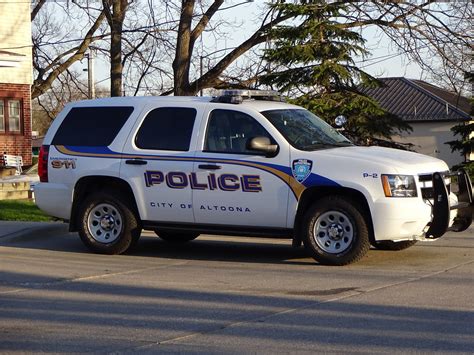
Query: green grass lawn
{"type": "Point", "coordinates": [21, 210]}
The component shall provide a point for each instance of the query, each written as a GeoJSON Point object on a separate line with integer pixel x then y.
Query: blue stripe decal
{"type": "Point", "coordinates": [318, 180]}
{"type": "Point", "coordinates": [92, 150]}
{"type": "Point", "coordinates": [98, 152]}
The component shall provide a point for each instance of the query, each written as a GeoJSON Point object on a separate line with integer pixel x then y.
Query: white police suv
{"type": "Point", "coordinates": [243, 163]}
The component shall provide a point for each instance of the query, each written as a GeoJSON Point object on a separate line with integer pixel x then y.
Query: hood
{"type": "Point", "coordinates": [401, 160]}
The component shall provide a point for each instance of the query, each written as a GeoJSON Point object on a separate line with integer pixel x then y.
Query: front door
{"type": "Point", "coordinates": [236, 186]}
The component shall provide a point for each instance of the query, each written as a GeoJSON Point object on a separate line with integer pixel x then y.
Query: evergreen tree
{"type": "Point", "coordinates": [464, 130]}
{"type": "Point", "coordinates": [465, 143]}
{"type": "Point", "coordinates": [313, 56]}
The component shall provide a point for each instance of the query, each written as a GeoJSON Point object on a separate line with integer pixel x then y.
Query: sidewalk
{"type": "Point", "coordinates": [20, 178]}
{"type": "Point", "coordinates": [15, 229]}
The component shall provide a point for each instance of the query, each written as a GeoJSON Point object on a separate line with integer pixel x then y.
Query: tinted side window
{"type": "Point", "coordinates": [229, 131]}
{"type": "Point", "coordinates": [91, 126]}
{"type": "Point", "coordinates": [167, 128]}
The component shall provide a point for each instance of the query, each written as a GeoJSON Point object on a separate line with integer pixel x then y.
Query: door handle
{"type": "Point", "coordinates": [136, 162]}
{"type": "Point", "coordinates": [209, 166]}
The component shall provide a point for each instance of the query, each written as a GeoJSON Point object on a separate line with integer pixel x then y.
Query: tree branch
{"type": "Point", "coordinates": [206, 17]}
{"type": "Point", "coordinates": [208, 79]}
{"type": "Point", "coordinates": [36, 9]}
{"type": "Point", "coordinates": [41, 85]}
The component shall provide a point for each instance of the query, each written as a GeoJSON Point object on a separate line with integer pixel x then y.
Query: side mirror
{"type": "Point", "coordinates": [262, 144]}
{"type": "Point", "coordinates": [340, 121]}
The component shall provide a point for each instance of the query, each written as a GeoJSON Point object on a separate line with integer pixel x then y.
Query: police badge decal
{"type": "Point", "coordinates": [301, 169]}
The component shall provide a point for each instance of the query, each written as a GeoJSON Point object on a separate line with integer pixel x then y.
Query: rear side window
{"type": "Point", "coordinates": [167, 128]}
{"type": "Point", "coordinates": [91, 126]}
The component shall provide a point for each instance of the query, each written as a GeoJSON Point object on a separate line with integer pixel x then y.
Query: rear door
{"type": "Point", "coordinates": [158, 162]}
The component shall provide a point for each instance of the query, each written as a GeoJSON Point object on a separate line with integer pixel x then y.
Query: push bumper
{"type": "Point", "coordinates": [441, 209]}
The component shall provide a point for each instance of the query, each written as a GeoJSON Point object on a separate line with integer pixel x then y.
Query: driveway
{"type": "Point", "coordinates": [224, 294]}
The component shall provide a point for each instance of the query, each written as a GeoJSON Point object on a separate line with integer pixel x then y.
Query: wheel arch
{"type": "Point", "coordinates": [90, 184]}
{"type": "Point", "coordinates": [312, 194]}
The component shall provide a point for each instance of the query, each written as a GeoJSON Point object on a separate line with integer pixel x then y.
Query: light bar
{"type": "Point", "coordinates": [250, 93]}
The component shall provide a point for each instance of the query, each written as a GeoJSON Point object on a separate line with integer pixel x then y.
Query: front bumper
{"type": "Point", "coordinates": [441, 209]}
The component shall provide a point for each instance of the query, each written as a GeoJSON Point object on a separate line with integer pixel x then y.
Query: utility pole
{"type": "Point", "coordinates": [200, 71]}
{"type": "Point", "coordinates": [90, 73]}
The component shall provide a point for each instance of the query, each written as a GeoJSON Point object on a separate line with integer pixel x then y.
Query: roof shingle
{"type": "Point", "coordinates": [416, 100]}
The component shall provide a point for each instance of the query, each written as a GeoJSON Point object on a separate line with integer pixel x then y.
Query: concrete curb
{"type": "Point", "coordinates": [51, 229]}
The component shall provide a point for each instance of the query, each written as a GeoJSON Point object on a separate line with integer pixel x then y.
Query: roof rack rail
{"type": "Point", "coordinates": [237, 96]}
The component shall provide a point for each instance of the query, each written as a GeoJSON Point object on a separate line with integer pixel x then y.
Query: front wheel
{"type": "Point", "coordinates": [335, 231]}
{"type": "Point", "coordinates": [107, 225]}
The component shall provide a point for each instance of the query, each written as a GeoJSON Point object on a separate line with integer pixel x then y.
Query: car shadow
{"type": "Point", "coordinates": [219, 248]}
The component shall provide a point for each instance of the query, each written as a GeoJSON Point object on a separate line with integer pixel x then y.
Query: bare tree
{"type": "Point", "coordinates": [125, 32]}
{"type": "Point", "coordinates": [454, 77]}
{"type": "Point", "coordinates": [453, 69]}
{"type": "Point", "coordinates": [55, 49]}
{"type": "Point", "coordinates": [417, 29]}
{"type": "Point", "coordinates": [428, 32]}
{"type": "Point", "coordinates": [189, 34]}
{"type": "Point", "coordinates": [115, 13]}
{"type": "Point", "coordinates": [148, 47]}
{"type": "Point", "coordinates": [155, 46]}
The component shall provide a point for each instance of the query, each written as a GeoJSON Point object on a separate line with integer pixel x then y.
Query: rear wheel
{"type": "Point", "coordinates": [107, 225]}
{"type": "Point", "coordinates": [391, 245]}
{"type": "Point", "coordinates": [177, 237]}
{"type": "Point", "coordinates": [335, 231]}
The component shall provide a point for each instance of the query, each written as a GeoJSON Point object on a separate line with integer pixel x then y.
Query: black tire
{"type": "Point", "coordinates": [391, 245]}
{"type": "Point", "coordinates": [104, 210]}
{"type": "Point", "coordinates": [177, 237]}
{"type": "Point", "coordinates": [335, 231]}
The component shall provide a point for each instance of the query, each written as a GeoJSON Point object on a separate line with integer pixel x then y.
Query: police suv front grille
{"type": "Point", "coordinates": [427, 185]}
{"type": "Point", "coordinates": [426, 193]}
{"type": "Point", "coordinates": [425, 177]}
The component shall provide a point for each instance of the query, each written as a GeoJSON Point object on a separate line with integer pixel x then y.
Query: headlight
{"type": "Point", "coordinates": [399, 185]}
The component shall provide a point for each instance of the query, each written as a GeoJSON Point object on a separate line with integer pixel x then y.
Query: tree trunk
{"type": "Point", "coordinates": [182, 59]}
{"type": "Point", "coordinates": [115, 20]}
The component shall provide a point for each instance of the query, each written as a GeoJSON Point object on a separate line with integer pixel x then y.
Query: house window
{"type": "Point", "coordinates": [14, 109]}
{"type": "Point", "coordinates": [2, 116]}
{"type": "Point", "coordinates": [10, 116]}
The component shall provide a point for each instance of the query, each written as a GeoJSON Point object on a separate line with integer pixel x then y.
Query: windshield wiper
{"type": "Point", "coordinates": [327, 145]}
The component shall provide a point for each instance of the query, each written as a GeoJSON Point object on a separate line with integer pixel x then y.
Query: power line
{"type": "Point", "coordinates": [387, 57]}
{"type": "Point", "coordinates": [101, 81]}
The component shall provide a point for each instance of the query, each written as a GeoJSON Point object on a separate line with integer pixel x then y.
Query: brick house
{"type": "Point", "coordinates": [430, 110]}
{"type": "Point", "coordinates": [15, 79]}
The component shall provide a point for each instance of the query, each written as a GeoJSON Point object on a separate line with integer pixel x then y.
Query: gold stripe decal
{"type": "Point", "coordinates": [296, 187]}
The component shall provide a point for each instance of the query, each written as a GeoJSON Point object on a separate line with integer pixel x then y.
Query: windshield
{"type": "Point", "coordinates": [305, 131]}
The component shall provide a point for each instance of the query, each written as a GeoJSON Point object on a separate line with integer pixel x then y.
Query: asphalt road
{"type": "Point", "coordinates": [233, 295]}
